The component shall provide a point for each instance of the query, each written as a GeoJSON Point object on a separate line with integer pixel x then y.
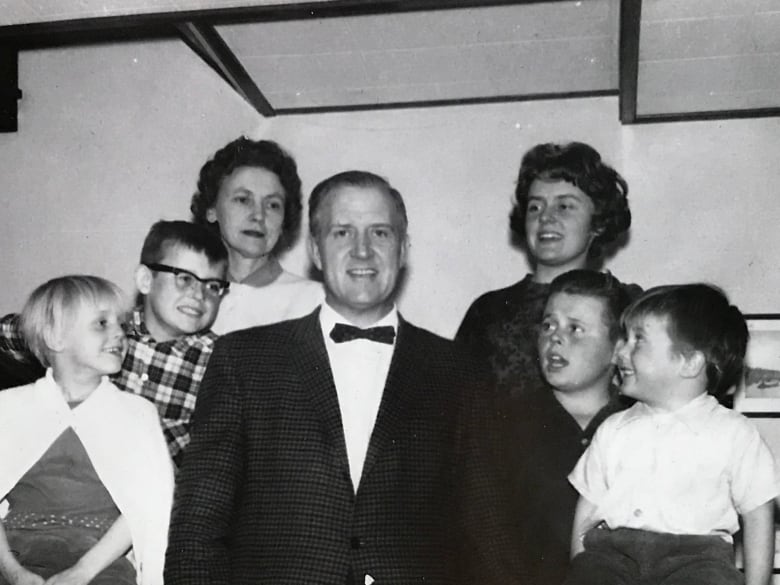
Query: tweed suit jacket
{"type": "Point", "coordinates": [264, 493]}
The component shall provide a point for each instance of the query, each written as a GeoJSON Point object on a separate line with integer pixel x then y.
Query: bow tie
{"type": "Point", "coordinates": [342, 332]}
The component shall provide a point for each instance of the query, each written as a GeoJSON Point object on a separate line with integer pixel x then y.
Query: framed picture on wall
{"type": "Point", "coordinates": [759, 392]}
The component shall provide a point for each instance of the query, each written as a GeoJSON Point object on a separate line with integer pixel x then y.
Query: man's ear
{"type": "Point", "coordinates": [314, 251]}
{"type": "Point", "coordinates": [693, 364]}
{"type": "Point", "coordinates": [405, 249]}
{"type": "Point", "coordinates": [143, 279]}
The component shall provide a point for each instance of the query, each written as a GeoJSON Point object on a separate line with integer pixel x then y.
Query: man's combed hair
{"type": "Point", "coordinates": [699, 317]}
{"type": "Point", "coordinates": [164, 235]}
{"type": "Point", "coordinates": [581, 165]}
{"type": "Point", "coordinates": [244, 152]}
{"type": "Point", "coordinates": [598, 285]}
{"type": "Point", "coordinates": [359, 179]}
{"type": "Point", "coordinates": [54, 304]}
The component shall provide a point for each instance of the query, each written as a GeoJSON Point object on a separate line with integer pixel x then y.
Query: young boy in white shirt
{"type": "Point", "coordinates": [664, 484]}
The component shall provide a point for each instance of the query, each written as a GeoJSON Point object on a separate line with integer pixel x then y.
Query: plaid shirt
{"type": "Point", "coordinates": [167, 373]}
{"type": "Point", "coordinates": [11, 340]}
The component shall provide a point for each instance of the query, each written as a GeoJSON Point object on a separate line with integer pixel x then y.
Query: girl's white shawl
{"type": "Point", "coordinates": [122, 436]}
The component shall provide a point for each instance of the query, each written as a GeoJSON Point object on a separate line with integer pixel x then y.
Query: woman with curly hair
{"type": "Point", "coordinates": [570, 207]}
{"type": "Point", "coordinates": [250, 192]}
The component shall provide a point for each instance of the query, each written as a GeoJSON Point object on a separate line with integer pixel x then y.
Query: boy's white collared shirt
{"type": "Point", "coordinates": [691, 471]}
{"type": "Point", "coordinates": [360, 370]}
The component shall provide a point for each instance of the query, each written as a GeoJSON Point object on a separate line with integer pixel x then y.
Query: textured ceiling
{"type": "Point", "coordinates": [560, 47]}
{"type": "Point", "coordinates": [708, 55]}
{"type": "Point", "coordinates": [690, 58]}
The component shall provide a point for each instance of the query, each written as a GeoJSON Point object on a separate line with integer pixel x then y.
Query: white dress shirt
{"type": "Point", "coordinates": [359, 371]}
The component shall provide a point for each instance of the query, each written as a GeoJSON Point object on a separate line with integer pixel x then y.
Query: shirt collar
{"type": "Point", "coordinates": [52, 389]}
{"type": "Point", "coordinates": [544, 405]}
{"type": "Point", "coordinates": [136, 329]}
{"type": "Point", "coordinates": [329, 317]}
{"type": "Point", "coordinates": [694, 415]}
{"type": "Point", "coordinates": [265, 275]}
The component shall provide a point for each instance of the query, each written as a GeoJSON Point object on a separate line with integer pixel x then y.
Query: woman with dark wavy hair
{"type": "Point", "coordinates": [250, 192]}
{"type": "Point", "coordinates": [570, 208]}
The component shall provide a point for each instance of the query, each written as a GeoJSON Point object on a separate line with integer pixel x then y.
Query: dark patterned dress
{"type": "Point", "coordinates": [59, 510]}
{"type": "Point", "coordinates": [501, 328]}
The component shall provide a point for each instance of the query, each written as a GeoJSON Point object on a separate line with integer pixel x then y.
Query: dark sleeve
{"type": "Point", "coordinates": [17, 363]}
{"type": "Point", "coordinates": [491, 545]}
{"type": "Point", "coordinates": [472, 328]}
{"type": "Point", "coordinates": [209, 481]}
{"type": "Point", "coordinates": [10, 334]}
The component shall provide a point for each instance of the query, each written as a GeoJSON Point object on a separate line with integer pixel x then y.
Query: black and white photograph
{"type": "Point", "coordinates": [759, 392]}
{"type": "Point", "coordinates": [392, 292]}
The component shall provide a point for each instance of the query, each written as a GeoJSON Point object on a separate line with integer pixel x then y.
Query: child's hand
{"type": "Point", "coordinates": [25, 577]}
{"type": "Point", "coordinates": [73, 576]}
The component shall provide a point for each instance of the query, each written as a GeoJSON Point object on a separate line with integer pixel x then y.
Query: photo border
{"type": "Point", "coordinates": [758, 407]}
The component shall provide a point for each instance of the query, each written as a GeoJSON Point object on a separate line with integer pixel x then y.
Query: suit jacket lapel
{"type": "Point", "coordinates": [397, 397]}
{"type": "Point", "coordinates": [317, 381]}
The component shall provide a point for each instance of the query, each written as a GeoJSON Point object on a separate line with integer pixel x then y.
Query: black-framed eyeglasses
{"type": "Point", "coordinates": [185, 280]}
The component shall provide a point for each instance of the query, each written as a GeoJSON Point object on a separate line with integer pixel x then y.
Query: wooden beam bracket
{"type": "Point", "coordinates": [630, 23]}
{"type": "Point", "coordinates": [10, 94]}
{"type": "Point", "coordinates": [206, 42]}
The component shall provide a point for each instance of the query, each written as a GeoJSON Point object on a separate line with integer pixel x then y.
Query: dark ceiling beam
{"type": "Point", "coordinates": [630, 23]}
{"type": "Point", "coordinates": [747, 113]}
{"type": "Point", "coordinates": [9, 89]}
{"type": "Point", "coordinates": [137, 26]}
{"type": "Point", "coordinates": [500, 99]}
{"type": "Point", "coordinates": [209, 45]}
{"type": "Point", "coordinates": [56, 35]}
{"type": "Point", "coordinates": [190, 25]}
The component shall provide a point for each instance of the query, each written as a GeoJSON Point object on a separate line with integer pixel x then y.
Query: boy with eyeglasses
{"type": "Point", "coordinates": [180, 280]}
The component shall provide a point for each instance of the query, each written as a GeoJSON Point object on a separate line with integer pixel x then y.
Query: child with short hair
{"type": "Point", "coordinates": [85, 470]}
{"type": "Point", "coordinates": [664, 484]}
{"type": "Point", "coordinates": [181, 281]}
{"type": "Point", "coordinates": [541, 435]}
{"type": "Point", "coordinates": [579, 332]}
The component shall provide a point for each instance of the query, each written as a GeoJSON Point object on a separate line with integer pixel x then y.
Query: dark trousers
{"type": "Point", "coordinates": [626, 556]}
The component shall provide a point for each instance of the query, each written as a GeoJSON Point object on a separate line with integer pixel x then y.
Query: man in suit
{"type": "Point", "coordinates": [323, 447]}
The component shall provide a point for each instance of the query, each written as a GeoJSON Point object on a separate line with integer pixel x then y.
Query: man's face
{"type": "Point", "coordinates": [360, 248]}
{"type": "Point", "coordinates": [171, 310]}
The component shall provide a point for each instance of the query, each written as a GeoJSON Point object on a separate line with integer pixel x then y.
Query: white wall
{"type": "Point", "coordinates": [111, 138]}
{"type": "Point", "coordinates": [703, 194]}
{"type": "Point", "coordinates": [456, 168]}
{"type": "Point", "coordinates": [707, 207]}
